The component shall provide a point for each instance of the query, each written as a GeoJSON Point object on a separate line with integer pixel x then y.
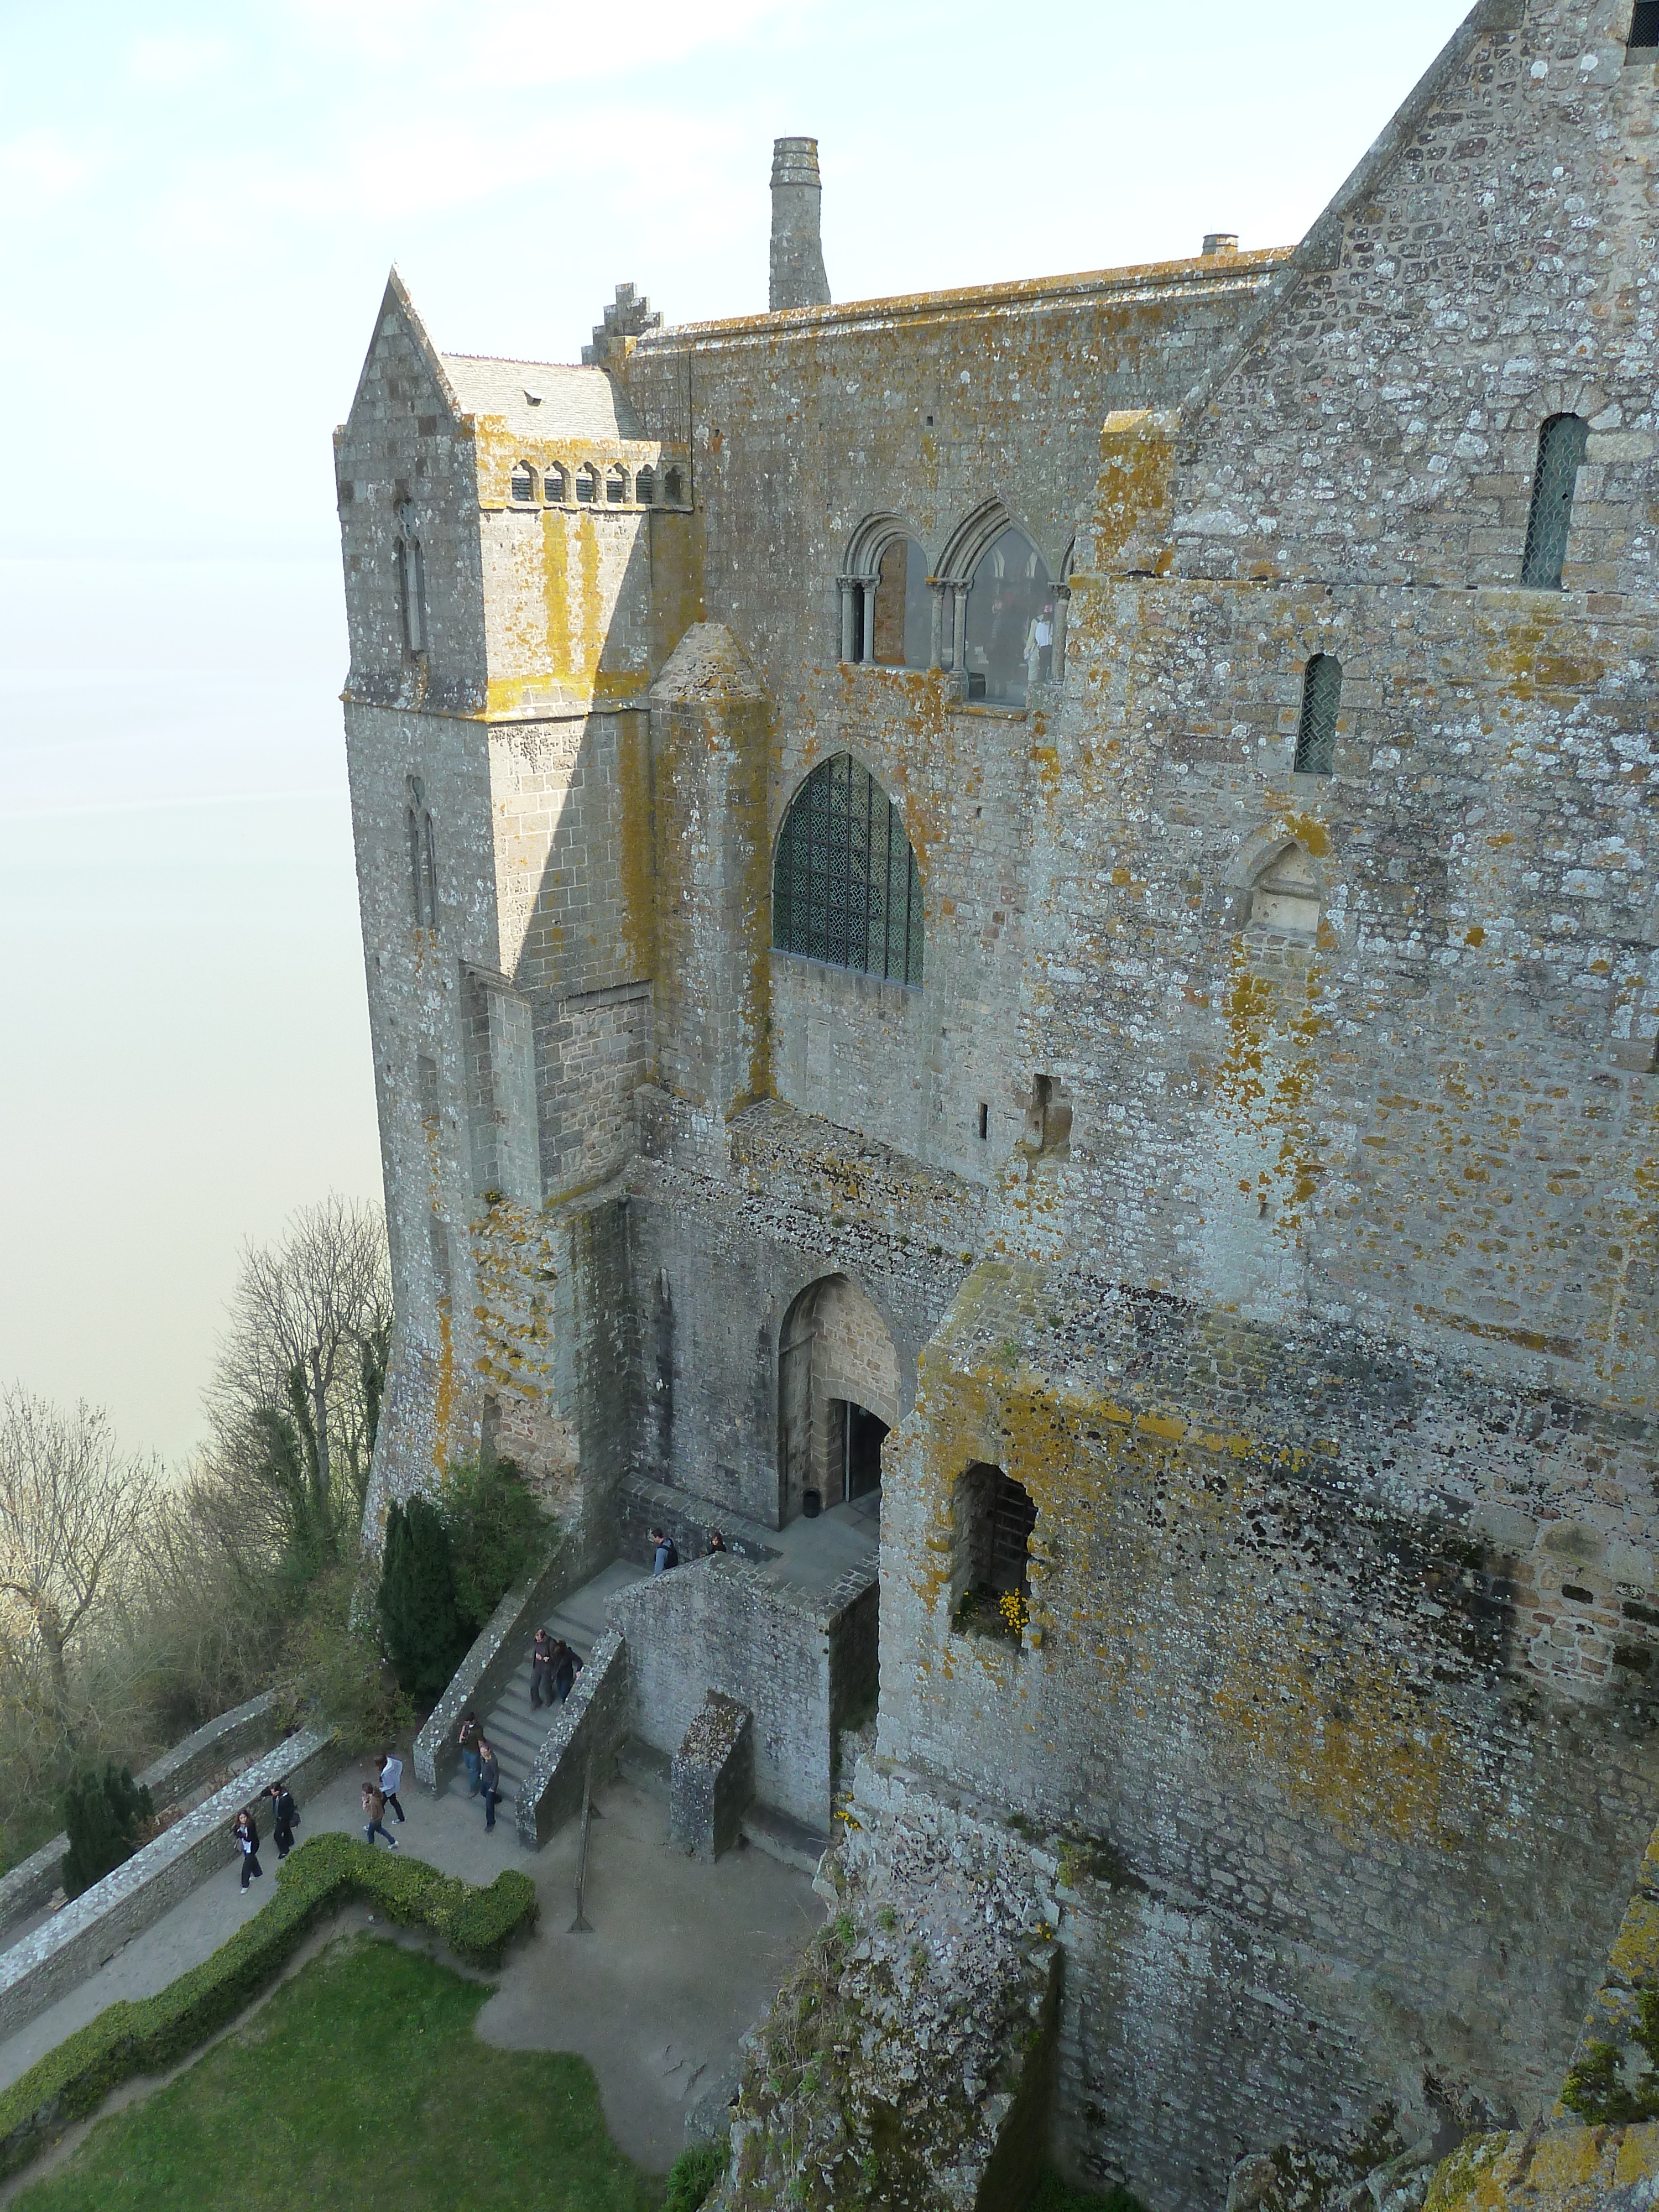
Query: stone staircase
{"type": "Point", "coordinates": [517, 1729]}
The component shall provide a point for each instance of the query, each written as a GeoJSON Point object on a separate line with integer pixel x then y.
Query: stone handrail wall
{"type": "Point", "coordinates": [174, 1775]}
{"type": "Point", "coordinates": [595, 1717]}
{"type": "Point", "coordinates": [492, 1662]}
{"type": "Point", "coordinates": [75, 1943]}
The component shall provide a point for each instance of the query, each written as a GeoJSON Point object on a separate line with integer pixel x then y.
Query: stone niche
{"type": "Point", "coordinates": [712, 1779]}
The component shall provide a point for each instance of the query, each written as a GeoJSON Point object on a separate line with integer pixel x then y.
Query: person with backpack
{"type": "Point", "coordinates": [468, 1739]}
{"type": "Point", "coordinates": [285, 1818]}
{"type": "Point", "coordinates": [248, 1842]}
{"type": "Point", "coordinates": [666, 1555]}
{"type": "Point", "coordinates": [375, 1822]}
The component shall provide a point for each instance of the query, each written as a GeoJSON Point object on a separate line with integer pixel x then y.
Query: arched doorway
{"type": "Point", "coordinates": [838, 1396]}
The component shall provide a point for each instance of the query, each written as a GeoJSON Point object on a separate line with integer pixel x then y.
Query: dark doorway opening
{"type": "Point", "coordinates": [856, 1442]}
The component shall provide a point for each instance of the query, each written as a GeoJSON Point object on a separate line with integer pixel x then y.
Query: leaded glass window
{"type": "Point", "coordinates": [1316, 735]}
{"type": "Point", "coordinates": [1560, 455]}
{"type": "Point", "coordinates": [845, 887]}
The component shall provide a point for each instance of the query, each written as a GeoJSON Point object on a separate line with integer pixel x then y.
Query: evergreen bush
{"type": "Point", "coordinates": [425, 1636]}
{"type": "Point", "coordinates": [102, 1818]}
{"type": "Point", "coordinates": [497, 1534]}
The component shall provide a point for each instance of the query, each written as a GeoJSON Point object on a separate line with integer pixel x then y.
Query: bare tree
{"type": "Point", "coordinates": [71, 1505]}
{"type": "Point", "coordinates": [295, 1399]}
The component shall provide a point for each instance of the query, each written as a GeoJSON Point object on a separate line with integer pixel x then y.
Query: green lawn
{"type": "Point", "coordinates": [359, 2083]}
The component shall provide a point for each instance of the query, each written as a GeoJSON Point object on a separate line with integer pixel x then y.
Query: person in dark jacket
{"type": "Point", "coordinates": [664, 1555]}
{"type": "Point", "coordinates": [541, 1668]}
{"type": "Point", "coordinates": [468, 1739]}
{"type": "Point", "coordinates": [489, 1781]}
{"type": "Point", "coordinates": [283, 1815]}
{"type": "Point", "coordinates": [248, 1842]}
{"type": "Point", "coordinates": [566, 1667]}
{"type": "Point", "coordinates": [716, 1542]}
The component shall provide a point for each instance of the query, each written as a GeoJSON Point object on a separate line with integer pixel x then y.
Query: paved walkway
{"type": "Point", "coordinates": [683, 1958]}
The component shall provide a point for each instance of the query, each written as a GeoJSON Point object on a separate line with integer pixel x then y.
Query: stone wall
{"type": "Point", "coordinates": [84, 1933]}
{"type": "Point", "coordinates": [217, 1744]}
{"type": "Point", "coordinates": [718, 1624]}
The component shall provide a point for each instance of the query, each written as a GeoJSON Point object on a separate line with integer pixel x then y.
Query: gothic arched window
{"type": "Point", "coordinates": [524, 482]}
{"type": "Point", "coordinates": [645, 485]}
{"type": "Point", "coordinates": [1316, 735]}
{"type": "Point", "coordinates": [1011, 616]}
{"type": "Point", "coordinates": [1560, 455]}
{"type": "Point", "coordinates": [845, 886]}
{"type": "Point", "coordinates": [556, 485]}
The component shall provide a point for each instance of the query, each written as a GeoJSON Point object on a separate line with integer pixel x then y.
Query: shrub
{"type": "Point", "coordinates": [155, 2032]}
{"type": "Point", "coordinates": [693, 2175]}
{"type": "Point", "coordinates": [101, 1814]}
{"type": "Point", "coordinates": [497, 1534]}
{"type": "Point", "coordinates": [425, 1638]}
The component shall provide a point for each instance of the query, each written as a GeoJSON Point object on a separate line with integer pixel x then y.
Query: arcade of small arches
{"type": "Point", "coordinates": [588, 483]}
{"type": "Point", "coordinates": [991, 612]}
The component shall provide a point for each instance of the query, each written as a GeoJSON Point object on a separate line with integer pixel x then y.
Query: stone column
{"type": "Point", "coordinates": [959, 628]}
{"type": "Point", "coordinates": [847, 586]}
{"type": "Point", "coordinates": [870, 585]}
{"type": "Point", "coordinates": [711, 735]}
{"type": "Point", "coordinates": [1062, 604]}
{"type": "Point", "coordinates": [936, 651]}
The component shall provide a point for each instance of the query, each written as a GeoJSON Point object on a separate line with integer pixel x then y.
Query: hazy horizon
{"type": "Point", "coordinates": [199, 215]}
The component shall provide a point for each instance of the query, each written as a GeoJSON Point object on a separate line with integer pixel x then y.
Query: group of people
{"type": "Point", "coordinates": [483, 1771]}
{"type": "Point", "coordinates": [285, 1816]}
{"type": "Point", "coordinates": [664, 1552]}
{"type": "Point", "coordinates": [553, 1668]}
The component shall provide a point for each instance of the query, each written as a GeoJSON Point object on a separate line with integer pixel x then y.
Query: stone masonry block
{"type": "Point", "coordinates": [712, 1777]}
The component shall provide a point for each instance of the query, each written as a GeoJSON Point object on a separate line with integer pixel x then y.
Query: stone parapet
{"type": "Point", "coordinates": [75, 1941]}
{"type": "Point", "coordinates": [31, 1883]}
{"type": "Point", "coordinates": [712, 1779]}
{"type": "Point", "coordinates": [591, 1724]}
{"type": "Point", "coordinates": [483, 1676]}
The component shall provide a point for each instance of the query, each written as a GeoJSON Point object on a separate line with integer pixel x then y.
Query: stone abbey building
{"type": "Point", "coordinates": [1042, 897]}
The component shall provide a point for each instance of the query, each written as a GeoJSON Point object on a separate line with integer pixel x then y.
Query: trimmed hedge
{"type": "Point", "coordinates": [154, 2032]}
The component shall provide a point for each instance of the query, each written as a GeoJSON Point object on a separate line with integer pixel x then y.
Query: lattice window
{"type": "Point", "coordinates": [1316, 735]}
{"type": "Point", "coordinates": [845, 886]}
{"type": "Point", "coordinates": [1643, 28]}
{"type": "Point", "coordinates": [1560, 456]}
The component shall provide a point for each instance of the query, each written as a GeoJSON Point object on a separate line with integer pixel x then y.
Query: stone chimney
{"type": "Point", "coordinates": [1220, 241]}
{"type": "Point", "coordinates": [798, 277]}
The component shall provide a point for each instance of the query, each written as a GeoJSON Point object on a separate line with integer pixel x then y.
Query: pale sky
{"type": "Point", "coordinates": [197, 209]}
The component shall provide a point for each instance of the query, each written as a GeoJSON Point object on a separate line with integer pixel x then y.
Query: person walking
{"type": "Point", "coordinates": [374, 1817]}
{"type": "Point", "coordinates": [391, 1773]}
{"type": "Point", "coordinates": [489, 1781]}
{"type": "Point", "coordinates": [567, 1665]}
{"type": "Point", "coordinates": [284, 1814]}
{"type": "Point", "coordinates": [248, 1842]}
{"type": "Point", "coordinates": [469, 1740]}
{"type": "Point", "coordinates": [541, 1669]}
{"type": "Point", "coordinates": [664, 1553]}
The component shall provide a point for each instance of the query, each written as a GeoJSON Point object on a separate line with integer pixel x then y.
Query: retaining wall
{"type": "Point", "coordinates": [94, 1926]}
{"type": "Point", "coordinates": [594, 1718]}
{"type": "Point", "coordinates": [31, 1882]}
{"type": "Point", "coordinates": [491, 1665]}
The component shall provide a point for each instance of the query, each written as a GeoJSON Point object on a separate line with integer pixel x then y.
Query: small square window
{"type": "Point", "coordinates": [1645, 29]}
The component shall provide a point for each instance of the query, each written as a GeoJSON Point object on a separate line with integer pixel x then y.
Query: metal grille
{"type": "Point", "coordinates": [1013, 1516]}
{"type": "Point", "coordinates": [845, 886]}
{"type": "Point", "coordinates": [1316, 735]}
{"type": "Point", "coordinates": [1560, 453]}
{"type": "Point", "coordinates": [1644, 26]}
